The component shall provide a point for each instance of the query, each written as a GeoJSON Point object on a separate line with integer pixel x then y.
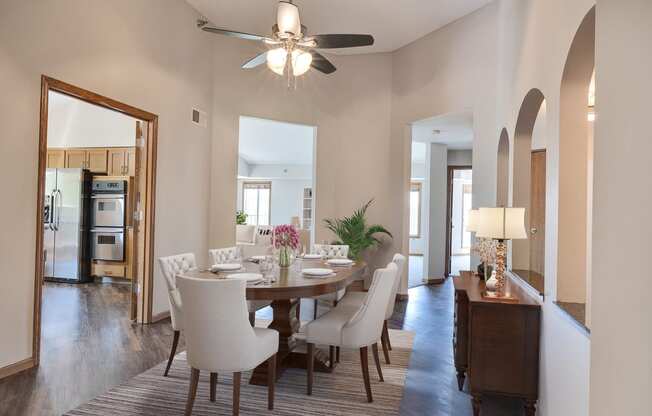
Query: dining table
{"type": "Point", "coordinates": [285, 289]}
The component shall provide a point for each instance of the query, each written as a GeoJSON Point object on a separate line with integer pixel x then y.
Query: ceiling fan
{"type": "Point", "coordinates": [290, 45]}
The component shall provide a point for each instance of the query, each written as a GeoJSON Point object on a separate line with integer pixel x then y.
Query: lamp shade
{"type": "Point", "coordinates": [501, 223]}
{"type": "Point", "coordinates": [472, 221]}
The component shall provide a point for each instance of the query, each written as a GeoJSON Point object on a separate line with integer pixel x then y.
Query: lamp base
{"type": "Point", "coordinates": [499, 296]}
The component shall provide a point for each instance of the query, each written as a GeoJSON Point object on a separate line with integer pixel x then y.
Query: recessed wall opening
{"type": "Point", "coordinates": [502, 170]}
{"type": "Point", "coordinates": [577, 115]}
{"type": "Point", "coordinates": [275, 182]}
{"type": "Point", "coordinates": [529, 189]}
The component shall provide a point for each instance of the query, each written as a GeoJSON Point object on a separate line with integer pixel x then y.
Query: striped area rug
{"type": "Point", "coordinates": [339, 393]}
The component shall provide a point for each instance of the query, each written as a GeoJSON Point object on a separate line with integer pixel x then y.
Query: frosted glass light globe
{"type": "Point", "coordinates": [301, 62]}
{"type": "Point", "coordinates": [276, 60]}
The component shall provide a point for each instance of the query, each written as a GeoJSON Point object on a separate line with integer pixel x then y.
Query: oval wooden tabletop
{"type": "Point", "coordinates": [291, 283]}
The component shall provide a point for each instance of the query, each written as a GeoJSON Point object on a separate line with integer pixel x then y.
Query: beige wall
{"type": "Point", "coordinates": [621, 331]}
{"type": "Point", "coordinates": [145, 53]}
{"type": "Point", "coordinates": [351, 110]}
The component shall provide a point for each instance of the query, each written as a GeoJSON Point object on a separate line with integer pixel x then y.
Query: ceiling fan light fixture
{"type": "Point", "coordinates": [301, 62]}
{"type": "Point", "coordinates": [276, 60]}
{"type": "Point", "coordinates": [287, 18]}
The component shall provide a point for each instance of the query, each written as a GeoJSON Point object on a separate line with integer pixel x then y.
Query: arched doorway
{"type": "Point", "coordinates": [575, 173]}
{"type": "Point", "coordinates": [529, 188]}
{"type": "Point", "coordinates": [502, 170]}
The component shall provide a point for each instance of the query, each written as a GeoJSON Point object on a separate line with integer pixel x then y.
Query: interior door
{"type": "Point", "coordinates": [538, 212]}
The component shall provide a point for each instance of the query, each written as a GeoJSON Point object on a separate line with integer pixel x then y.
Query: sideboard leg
{"type": "Point", "coordinates": [530, 407]}
{"type": "Point", "coordinates": [460, 379]}
{"type": "Point", "coordinates": [477, 402]}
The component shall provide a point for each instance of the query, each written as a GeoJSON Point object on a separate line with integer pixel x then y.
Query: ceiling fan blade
{"type": "Point", "coordinates": [231, 33]}
{"type": "Point", "coordinates": [321, 64]}
{"type": "Point", "coordinates": [255, 61]}
{"type": "Point", "coordinates": [335, 41]}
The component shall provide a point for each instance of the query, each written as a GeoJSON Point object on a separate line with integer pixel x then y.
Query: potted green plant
{"type": "Point", "coordinates": [240, 218]}
{"type": "Point", "coordinates": [354, 232]}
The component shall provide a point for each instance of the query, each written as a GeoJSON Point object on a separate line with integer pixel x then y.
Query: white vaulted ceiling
{"type": "Point", "coordinates": [393, 23]}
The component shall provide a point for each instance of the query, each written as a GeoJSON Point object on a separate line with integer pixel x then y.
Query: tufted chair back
{"type": "Point", "coordinates": [171, 267]}
{"type": "Point", "coordinates": [399, 260]}
{"type": "Point", "coordinates": [224, 255]}
{"type": "Point", "coordinates": [331, 250]}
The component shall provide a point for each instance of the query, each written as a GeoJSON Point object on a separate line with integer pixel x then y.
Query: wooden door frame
{"type": "Point", "coordinates": [50, 84]}
{"type": "Point", "coordinates": [449, 214]}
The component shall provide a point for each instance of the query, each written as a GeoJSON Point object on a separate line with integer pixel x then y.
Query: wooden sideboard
{"type": "Point", "coordinates": [496, 343]}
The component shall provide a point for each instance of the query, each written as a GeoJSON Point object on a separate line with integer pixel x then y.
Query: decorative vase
{"type": "Point", "coordinates": [284, 257]}
{"type": "Point", "coordinates": [484, 271]}
{"type": "Point", "coordinates": [492, 282]}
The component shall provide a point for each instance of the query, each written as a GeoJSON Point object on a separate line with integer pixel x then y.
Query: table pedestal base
{"type": "Point", "coordinates": [291, 352]}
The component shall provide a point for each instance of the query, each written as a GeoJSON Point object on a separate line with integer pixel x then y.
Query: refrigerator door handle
{"type": "Point", "coordinates": [58, 198]}
{"type": "Point", "coordinates": [52, 210]}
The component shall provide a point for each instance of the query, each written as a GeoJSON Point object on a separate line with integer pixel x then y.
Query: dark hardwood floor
{"type": "Point", "coordinates": [88, 346]}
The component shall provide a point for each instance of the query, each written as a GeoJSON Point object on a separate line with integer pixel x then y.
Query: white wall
{"type": "Point", "coordinates": [287, 198]}
{"type": "Point", "coordinates": [621, 331]}
{"type": "Point", "coordinates": [148, 54]}
{"type": "Point", "coordinates": [76, 123]}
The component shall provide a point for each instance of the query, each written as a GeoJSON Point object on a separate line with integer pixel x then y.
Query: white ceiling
{"type": "Point", "coordinates": [455, 130]}
{"type": "Point", "coordinates": [393, 23]}
{"type": "Point", "coordinates": [269, 142]}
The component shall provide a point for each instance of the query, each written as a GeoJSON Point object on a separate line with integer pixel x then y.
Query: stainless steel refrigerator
{"type": "Point", "coordinates": [65, 225]}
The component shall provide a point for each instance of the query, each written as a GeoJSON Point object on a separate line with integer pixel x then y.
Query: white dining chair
{"type": "Point", "coordinates": [233, 255]}
{"type": "Point", "coordinates": [329, 251]}
{"type": "Point", "coordinates": [357, 328]}
{"type": "Point", "coordinates": [219, 338]}
{"type": "Point", "coordinates": [355, 299]}
{"type": "Point", "coordinates": [170, 267]}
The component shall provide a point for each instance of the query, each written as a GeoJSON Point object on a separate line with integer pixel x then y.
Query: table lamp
{"type": "Point", "coordinates": [501, 224]}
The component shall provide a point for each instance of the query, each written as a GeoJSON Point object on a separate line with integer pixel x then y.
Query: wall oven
{"type": "Point", "coordinates": [108, 220]}
{"type": "Point", "coordinates": [108, 244]}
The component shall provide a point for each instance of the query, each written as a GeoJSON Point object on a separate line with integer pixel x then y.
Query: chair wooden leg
{"type": "Point", "coordinates": [213, 392]}
{"type": "Point", "coordinates": [299, 309]}
{"type": "Point", "coordinates": [173, 351]}
{"type": "Point", "coordinates": [192, 390]}
{"type": "Point", "coordinates": [374, 349]}
{"type": "Point", "coordinates": [271, 381]}
{"type": "Point", "coordinates": [383, 342]}
{"type": "Point", "coordinates": [331, 356]}
{"type": "Point", "coordinates": [315, 311]}
{"type": "Point", "coordinates": [236, 393]}
{"type": "Point", "coordinates": [364, 363]}
{"type": "Point", "coordinates": [252, 318]}
{"type": "Point", "coordinates": [310, 357]}
{"type": "Point", "coordinates": [337, 354]}
{"type": "Point", "coordinates": [386, 331]}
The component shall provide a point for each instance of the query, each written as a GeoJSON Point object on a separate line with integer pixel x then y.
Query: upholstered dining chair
{"type": "Point", "coordinates": [219, 338]}
{"type": "Point", "coordinates": [329, 251]}
{"type": "Point", "coordinates": [357, 328]}
{"type": "Point", "coordinates": [355, 299]}
{"type": "Point", "coordinates": [231, 255]}
{"type": "Point", "coordinates": [171, 266]}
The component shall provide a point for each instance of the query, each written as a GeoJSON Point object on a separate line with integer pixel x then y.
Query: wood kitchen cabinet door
{"type": "Point", "coordinates": [96, 160]}
{"type": "Point", "coordinates": [130, 161]}
{"type": "Point", "coordinates": [56, 158]}
{"type": "Point", "coordinates": [76, 159]}
{"type": "Point", "coordinates": [116, 162]}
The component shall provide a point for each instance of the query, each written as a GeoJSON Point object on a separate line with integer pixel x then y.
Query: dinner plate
{"type": "Point", "coordinates": [316, 272]}
{"type": "Point", "coordinates": [259, 258]}
{"type": "Point", "coordinates": [340, 262]}
{"type": "Point", "coordinates": [225, 267]}
{"type": "Point", "coordinates": [249, 277]}
{"type": "Point", "coordinates": [312, 256]}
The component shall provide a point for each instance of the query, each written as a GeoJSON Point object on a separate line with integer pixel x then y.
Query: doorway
{"type": "Point", "coordinates": [95, 202]}
{"type": "Point", "coordinates": [459, 204]}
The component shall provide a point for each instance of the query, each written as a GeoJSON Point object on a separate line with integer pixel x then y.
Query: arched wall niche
{"type": "Point", "coordinates": [502, 170]}
{"type": "Point", "coordinates": [575, 173]}
{"type": "Point", "coordinates": [528, 188]}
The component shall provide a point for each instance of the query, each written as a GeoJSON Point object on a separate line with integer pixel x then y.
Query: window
{"type": "Point", "coordinates": [256, 202]}
{"type": "Point", "coordinates": [415, 210]}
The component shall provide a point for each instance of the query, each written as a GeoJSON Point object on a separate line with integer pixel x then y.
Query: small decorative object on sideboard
{"type": "Point", "coordinates": [491, 282]}
{"type": "Point", "coordinates": [285, 239]}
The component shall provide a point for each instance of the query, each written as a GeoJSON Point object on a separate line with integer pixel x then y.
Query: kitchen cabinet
{"type": "Point", "coordinates": [96, 160]}
{"type": "Point", "coordinates": [56, 158]}
{"type": "Point", "coordinates": [122, 161]}
{"type": "Point", "coordinates": [130, 159]}
{"type": "Point", "coordinates": [76, 158]}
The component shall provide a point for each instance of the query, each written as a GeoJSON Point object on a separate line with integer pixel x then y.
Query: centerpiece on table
{"type": "Point", "coordinates": [285, 239]}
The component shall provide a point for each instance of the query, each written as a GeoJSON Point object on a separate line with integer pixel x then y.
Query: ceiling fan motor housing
{"type": "Point", "coordinates": [288, 21]}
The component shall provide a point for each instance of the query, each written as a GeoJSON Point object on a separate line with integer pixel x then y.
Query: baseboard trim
{"type": "Point", "coordinates": [402, 296]}
{"type": "Point", "coordinates": [160, 316]}
{"type": "Point", "coordinates": [435, 280]}
{"type": "Point", "coordinates": [15, 368]}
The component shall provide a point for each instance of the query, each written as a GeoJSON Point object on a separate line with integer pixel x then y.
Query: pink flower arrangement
{"type": "Point", "coordinates": [285, 236]}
